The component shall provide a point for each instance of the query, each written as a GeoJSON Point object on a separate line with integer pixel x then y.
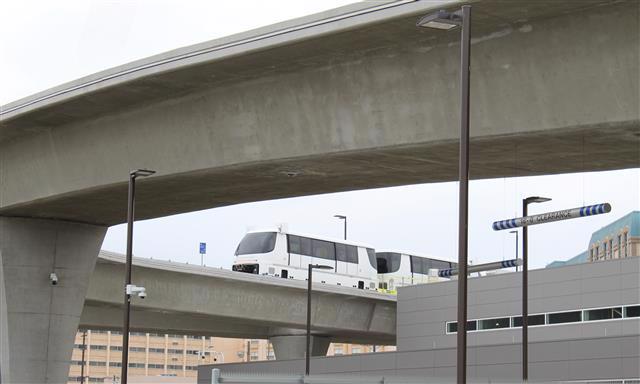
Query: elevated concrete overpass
{"type": "Point", "coordinates": [347, 99]}
{"type": "Point", "coordinates": [190, 299]}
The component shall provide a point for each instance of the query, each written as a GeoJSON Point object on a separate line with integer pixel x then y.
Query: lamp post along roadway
{"type": "Point", "coordinates": [127, 282]}
{"type": "Point", "coordinates": [308, 344]}
{"type": "Point", "coordinates": [342, 217]}
{"type": "Point", "coordinates": [516, 233]}
{"type": "Point", "coordinates": [525, 221]}
{"type": "Point", "coordinates": [446, 21]}
{"type": "Point", "coordinates": [525, 286]}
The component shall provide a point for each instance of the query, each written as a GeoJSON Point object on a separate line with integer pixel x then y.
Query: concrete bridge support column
{"type": "Point", "coordinates": [293, 346]}
{"type": "Point", "coordinates": [38, 320]}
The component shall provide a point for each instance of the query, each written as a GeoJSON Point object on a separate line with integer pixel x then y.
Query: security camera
{"type": "Point", "coordinates": [131, 289]}
{"type": "Point", "coordinates": [53, 278]}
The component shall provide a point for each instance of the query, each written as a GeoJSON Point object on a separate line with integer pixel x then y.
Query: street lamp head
{"type": "Point", "coordinates": [513, 231]}
{"type": "Point", "coordinates": [440, 20]}
{"type": "Point", "coordinates": [319, 266]}
{"type": "Point", "coordinates": [342, 217]}
{"type": "Point", "coordinates": [537, 199]}
{"type": "Point", "coordinates": [142, 173]}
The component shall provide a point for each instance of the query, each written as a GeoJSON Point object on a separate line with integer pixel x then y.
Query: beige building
{"type": "Point", "coordinates": [167, 355]}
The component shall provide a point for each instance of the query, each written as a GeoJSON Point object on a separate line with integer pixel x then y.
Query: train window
{"type": "Point", "coordinates": [305, 246]}
{"type": "Point", "coordinates": [294, 244]}
{"type": "Point", "coordinates": [341, 252]}
{"type": "Point", "coordinates": [388, 262]}
{"type": "Point", "coordinates": [323, 249]}
{"type": "Point", "coordinates": [416, 264]}
{"type": "Point", "coordinates": [352, 254]}
{"type": "Point", "coordinates": [261, 242]}
{"type": "Point", "coordinates": [372, 258]}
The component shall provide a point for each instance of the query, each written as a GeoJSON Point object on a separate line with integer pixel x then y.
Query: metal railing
{"type": "Point", "coordinates": [217, 377]}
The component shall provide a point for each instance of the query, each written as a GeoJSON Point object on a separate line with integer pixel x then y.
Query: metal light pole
{"type": "Point", "coordinates": [446, 20]}
{"type": "Point", "coordinates": [342, 217]}
{"type": "Point", "coordinates": [516, 232]}
{"type": "Point", "coordinates": [308, 345]}
{"type": "Point", "coordinates": [84, 348]}
{"type": "Point", "coordinates": [127, 281]}
{"type": "Point", "coordinates": [525, 286]}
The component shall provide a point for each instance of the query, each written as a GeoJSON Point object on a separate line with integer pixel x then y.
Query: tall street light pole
{"type": "Point", "coordinates": [308, 344]}
{"type": "Point", "coordinates": [342, 217]}
{"type": "Point", "coordinates": [446, 20]}
{"type": "Point", "coordinates": [516, 233]}
{"type": "Point", "coordinates": [127, 281]}
{"type": "Point", "coordinates": [525, 286]}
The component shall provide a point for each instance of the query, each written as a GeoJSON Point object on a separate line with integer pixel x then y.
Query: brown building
{"type": "Point", "coordinates": [157, 355]}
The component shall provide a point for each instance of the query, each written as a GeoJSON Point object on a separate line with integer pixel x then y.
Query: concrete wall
{"type": "Point", "coordinates": [38, 320]}
{"type": "Point", "coordinates": [184, 298]}
{"type": "Point", "coordinates": [365, 102]}
{"type": "Point", "coordinates": [423, 310]}
{"type": "Point", "coordinates": [584, 359]}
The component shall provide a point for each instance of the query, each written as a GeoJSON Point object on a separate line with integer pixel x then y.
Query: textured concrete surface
{"type": "Point", "coordinates": [190, 299]}
{"type": "Point", "coordinates": [366, 101]}
{"type": "Point", "coordinates": [38, 321]}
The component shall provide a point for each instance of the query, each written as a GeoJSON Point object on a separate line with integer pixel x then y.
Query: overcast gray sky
{"type": "Point", "coordinates": [47, 43]}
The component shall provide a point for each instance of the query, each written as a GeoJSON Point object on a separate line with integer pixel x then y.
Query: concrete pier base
{"type": "Point", "coordinates": [38, 320]}
{"type": "Point", "coordinates": [293, 346]}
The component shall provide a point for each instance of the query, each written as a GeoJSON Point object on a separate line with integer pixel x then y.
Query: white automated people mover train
{"type": "Point", "coordinates": [400, 268]}
{"type": "Point", "coordinates": [277, 252]}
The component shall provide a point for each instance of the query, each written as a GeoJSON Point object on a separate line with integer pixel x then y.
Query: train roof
{"type": "Point", "coordinates": [324, 238]}
{"type": "Point", "coordinates": [411, 253]}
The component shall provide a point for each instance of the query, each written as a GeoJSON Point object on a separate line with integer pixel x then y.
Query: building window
{"type": "Point", "coordinates": [338, 351]}
{"type": "Point", "coordinates": [174, 351]}
{"type": "Point", "coordinates": [97, 363]}
{"type": "Point", "coordinates": [115, 364]}
{"type": "Point", "coordinates": [77, 362]}
{"type": "Point", "coordinates": [156, 366]}
{"type": "Point", "coordinates": [603, 314]}
{"type": "Point", "coordinates": [502, 322]}
{"type": "Point", "coordinates": [564, 317]}
{"type": "Point", "coordinates": [136, 365]}
{"type": "Point", "coordinates": [116, 348]}
{"type": "Point", "coordinates": [174, 367]}
{"type": "Point", "coordinates": [137, 349]}
{"type": "Point", "coordinates": [626, 244]}
{"type": "Point", "coordinates": [632, 311]}
{"type": "Point", "coordinates": [254, 355]}
{"type": "Point", "coordinates": [355, 350]}
{"type": "Point", "coordinates": [98, 347]}
{"type": "Point", "coordinates": [453, 326]}
{"type": "Point", "coordinates": [533, 320]}
{"type": "Point", "coordinates": [156, 350]}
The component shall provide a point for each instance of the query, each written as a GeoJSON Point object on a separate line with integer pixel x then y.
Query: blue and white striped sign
{"type": "Point", "coordinates": [566, 214]}
{"type": "Point", "coordinates": [482, 267]}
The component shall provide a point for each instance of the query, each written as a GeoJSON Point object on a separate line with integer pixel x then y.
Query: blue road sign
{"type": "Point", "coordinates": [203, 248]}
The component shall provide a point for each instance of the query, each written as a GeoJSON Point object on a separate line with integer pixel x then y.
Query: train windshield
{"type": "Point", "coordinates": [261, 242]}
{"type": "Point", "coordinates": [388, 262]}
